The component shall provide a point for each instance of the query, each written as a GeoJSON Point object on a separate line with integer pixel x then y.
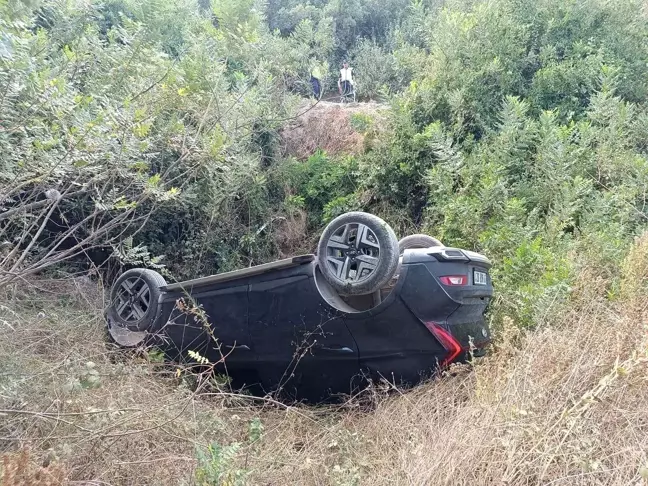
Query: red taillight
{"type": "Point", "coordinates": [454, 280]}
{"type": "Point", "coordinates": [447, 340]}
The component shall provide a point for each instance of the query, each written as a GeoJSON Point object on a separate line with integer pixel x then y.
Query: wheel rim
{"type": "Point", "coordinates": [133, 299]}
{"type": "Point", "coordinates": [352, 253]}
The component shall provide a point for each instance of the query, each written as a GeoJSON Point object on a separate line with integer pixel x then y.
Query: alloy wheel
{"type": "Point", "coordinates": [353, 252]}
{"type": "Point", "coordinates": [133, 299]}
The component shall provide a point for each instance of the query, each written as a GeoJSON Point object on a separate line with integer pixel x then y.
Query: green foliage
{"type": "Point", "coordinates": [322, 185]}
{"type": "Point", "coordinates": [153, 111]}
{"type": "Point", "coordinates": [217, 464]}
{"type": "Point", "coordinates": [335, 30]}
{"type": "Point", "coordinates": [517, 128]}
{"type": "Point", "coordinates": [86, 378]}
{"type": "Point", "coordinates": [547, 51]}
{"type": "Point", "coordinates": [361, 122]}
{"type": "Point", "coordinates": [377, 70]}
{"type": "Point", "coordinates": [395, 170]}
{"type": "Point", "coordinates": [535, 191]}
{"type": "Point", "coordinates": [340, 205]}
{"type": "Point", "coordinates": [155, 355]}
{"type": "Point", "coordinates": [532, 278]}
{"type": "Point", "coordinates": [138, 256]}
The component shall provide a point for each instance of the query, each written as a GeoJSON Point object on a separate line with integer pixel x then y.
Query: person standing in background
{"type": "Point", "coordinates": [345, 82]}
{"type": "Point", "coordinates": [316, 76]}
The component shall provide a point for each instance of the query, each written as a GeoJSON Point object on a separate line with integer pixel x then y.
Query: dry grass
{"type": "Point", "coordinates": [291, 235]}
{"type": "Point", "coordinates": [326, 126]}
{"type": "Point", "coordinates": [563, 405]}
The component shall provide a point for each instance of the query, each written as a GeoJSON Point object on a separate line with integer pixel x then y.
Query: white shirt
{"type": "Point", "coordinates": [345, 75]}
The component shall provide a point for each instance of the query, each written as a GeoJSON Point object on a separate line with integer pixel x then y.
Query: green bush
{"type": "Point", "coordinates": [516, 128]}
{"type": "Point", "coordinates": [217, 464]}
{"type": "Point", "coordinates": [324, 186]}
{"type": "Point", "coordinates": [376, 71]}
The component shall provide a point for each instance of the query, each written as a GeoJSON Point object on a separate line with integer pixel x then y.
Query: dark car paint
{"type": "Point", "coordinates": [276, 331]}
{"type": "Point", "coordinates": [294, 331]}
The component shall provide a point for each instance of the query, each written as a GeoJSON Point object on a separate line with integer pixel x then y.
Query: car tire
{"type": "Point", "coordinates": [357, 266]}
{"type": "Point", "coordinates": [417, 241]}
{"type": "Point", "coordinates": [134, 300]}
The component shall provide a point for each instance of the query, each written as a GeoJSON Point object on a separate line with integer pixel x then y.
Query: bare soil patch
{"type": "Point", "coordinates": [328, 126]}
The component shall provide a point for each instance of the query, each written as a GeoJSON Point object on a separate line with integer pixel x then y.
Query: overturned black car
{"type": "Point", "coordinates": [367, 307]}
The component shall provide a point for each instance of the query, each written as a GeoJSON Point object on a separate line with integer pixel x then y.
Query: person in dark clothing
{"type": "Point", "coordinates": [316, 75]}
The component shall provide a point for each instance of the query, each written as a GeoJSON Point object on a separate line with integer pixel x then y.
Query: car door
{"type": "Point", "coordinates": [303, 346]}
{"type": "Point", "coordinates": [213, 323]}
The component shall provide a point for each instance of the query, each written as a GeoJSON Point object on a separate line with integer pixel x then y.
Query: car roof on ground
{"type": "Point", "coordinates": [238, 274]}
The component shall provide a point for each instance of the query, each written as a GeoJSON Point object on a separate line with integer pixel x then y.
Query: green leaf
{"type": "Point", "coordinates": [154, 180]}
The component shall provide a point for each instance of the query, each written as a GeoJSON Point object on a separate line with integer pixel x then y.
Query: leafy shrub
{"type": "Point", "coordinates": [361, 122]}
{"type": "Point", "coordinates": [138, 124]}
{"type": "Point", "coordinates": [536, 193]}
{"type": "Point", "coordinates": [376, 71]}
{"type": "Point", "coordinates": [324, 185]}
{"type": "Point", "coordinates": [517, 128]}
{"type": "Point", "coordinates": [217, 464]}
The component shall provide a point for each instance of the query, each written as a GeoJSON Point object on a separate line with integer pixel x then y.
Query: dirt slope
{"type": "Point", "coordinates": [328, 126]}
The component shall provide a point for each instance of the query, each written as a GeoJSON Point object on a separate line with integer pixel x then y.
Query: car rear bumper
{"type": "Point", "coordinates": [472, 337]}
